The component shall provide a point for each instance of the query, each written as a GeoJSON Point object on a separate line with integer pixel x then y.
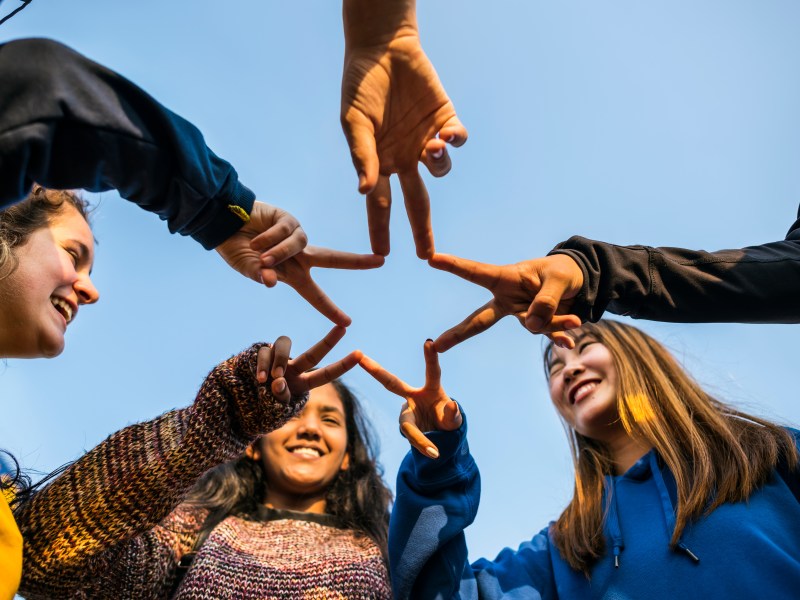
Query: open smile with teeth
{"type": "Point", "coordinates": [306, 452]}
{"type": "Point", "coordinates": [584, 390]}
{"type": "Point", "coordinates": [63, 307]}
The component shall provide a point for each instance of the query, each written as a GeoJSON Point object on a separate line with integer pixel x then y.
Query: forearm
{"type": "Point", "coordinates": [67, 122]}
{"type": "Point", "coordinates": [377, 22]}
{"type": "Point", "coordinates": [131, 481]}
{"type": "Point", "coordinates": [757, 284]}
{"type": "Point", "coordinates": [436, 500]}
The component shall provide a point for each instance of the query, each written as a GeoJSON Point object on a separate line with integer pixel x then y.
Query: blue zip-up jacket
{"type": "Point", "coordinates": [67, 122]}
{"type": "Point", "coordinates": [743, 550]}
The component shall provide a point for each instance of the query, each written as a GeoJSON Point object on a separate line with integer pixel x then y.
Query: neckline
{"type": "Point", "coordinates": [265, 513]}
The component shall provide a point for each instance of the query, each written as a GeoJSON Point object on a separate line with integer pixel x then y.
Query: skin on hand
{"type": "Point", "coordinates": [427, 408]}
{"type": "Point", "coordinates": [395, 113]}
{"type": "Point", "coordinates": [271, 247]}
{"type": "Point", "coordinates": [296, 272]}
{"type": "Point", "coordinates": [538, 292]}
{"type": "Point", "coordinates": [292, 377]}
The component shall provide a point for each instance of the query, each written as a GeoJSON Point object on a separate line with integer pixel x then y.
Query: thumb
{"type": "Point", "coordinates": [545, 303]}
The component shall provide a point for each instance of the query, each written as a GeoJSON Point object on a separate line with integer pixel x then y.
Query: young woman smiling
{"type": "Point", "coordinates": [77, 522]}
{"type": "Point", "coordinates": [303, 514]}
{"type": "Point", "coordinates": [677, 495]}
{"type": "Point", "coordinates": [103, 528]}
{"type": "Point", "coordinates": [46, 255]}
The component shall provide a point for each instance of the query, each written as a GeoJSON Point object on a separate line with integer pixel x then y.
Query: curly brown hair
{"type": "Point", "coordinates": [37, 210]}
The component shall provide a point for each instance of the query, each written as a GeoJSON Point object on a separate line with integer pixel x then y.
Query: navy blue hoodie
{"type": "Point", "coordinates": [67, 122]}
{"type": "Point", "coordinates": [743, 550]}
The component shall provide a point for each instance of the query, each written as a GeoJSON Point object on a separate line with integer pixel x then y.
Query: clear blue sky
{"type": "Point", "coordinates": [664, 123]}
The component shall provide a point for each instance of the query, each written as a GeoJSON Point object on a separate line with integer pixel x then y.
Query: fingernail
{"type": "Point", "coordinates": [281, 386]}
{"type": "Point", "coordinates": [429, 340]}
{"type": "Point", "coordinates": [278, 372]}
{"type": "Point", "coordinates": [267, 261]}
{"type": "Point", "coordinates": [362, 180]}
{"type": "Point", "coordinates": [437, 154]}
{"type": "Point", "coordinates": [449, 138]}
{"type": "Point", "coordinates": [536, 322]}
{"type": "Point", "coordinates": [262, 376]}
{"type": "Point", "coordinates": [432, 452]}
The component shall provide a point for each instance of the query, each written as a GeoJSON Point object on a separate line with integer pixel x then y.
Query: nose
{"type": "Point", "coordinates": [308, 427]}
{"type": "Point", "coordinates": [572, 370]}
{"type": "Point", "coordinates": [87, 293]}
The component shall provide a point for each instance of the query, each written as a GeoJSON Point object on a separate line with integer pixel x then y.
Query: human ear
{"type": "Point", "coordinates": [253, 451]}
{"type": "Point", "coordinates": [345, 462]}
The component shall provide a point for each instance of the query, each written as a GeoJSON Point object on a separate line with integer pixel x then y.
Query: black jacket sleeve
{"type": "Point", "coordinates": [67, 122]}
{"type": "Point", "coordinates": [757, 284]}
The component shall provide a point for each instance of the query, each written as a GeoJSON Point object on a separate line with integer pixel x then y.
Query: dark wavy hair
{"type": "Point", "coordinates": [37, 210]}
{"type": "Point", "coordinates": [358, 497]}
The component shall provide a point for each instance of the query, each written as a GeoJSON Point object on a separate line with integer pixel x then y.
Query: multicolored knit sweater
{"type": "Point", "coordinates": [280, 554]}
{"type": "Point", "coordinates": [94, 532]}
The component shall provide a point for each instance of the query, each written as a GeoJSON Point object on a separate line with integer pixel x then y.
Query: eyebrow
{"type": "Point", "coordinates": [331, 409]}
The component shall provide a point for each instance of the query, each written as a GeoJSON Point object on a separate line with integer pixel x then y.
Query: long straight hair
{"type": "Point", "coordinates": [358, 497]}
{"type": "Point", "coordinates": [716, 453]}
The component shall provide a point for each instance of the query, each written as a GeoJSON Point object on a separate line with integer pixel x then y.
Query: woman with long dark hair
{"type": "Point", "coordinates": [677, 495]}
{"type": "Point", "coordinates": [304, 509]}
{"type": "Point", "coordinates": [79, 520]}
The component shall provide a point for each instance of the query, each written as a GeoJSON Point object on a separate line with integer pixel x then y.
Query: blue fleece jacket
{"type": "Point", "coordinates": [743, 550]}
{"type": "Point", "coordinates": [67, 122]}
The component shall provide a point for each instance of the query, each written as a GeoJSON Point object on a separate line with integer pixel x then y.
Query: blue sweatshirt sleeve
{"type": "Point", "coordinates": [67, 122]}
{"type": "Point", "coordinates": [436, 500]}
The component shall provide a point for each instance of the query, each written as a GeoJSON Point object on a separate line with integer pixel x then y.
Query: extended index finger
{"type": "Point", "coordinates": [418, 207]}
{"type": "Point", "coordinates": [482, 274]}
{"type": "Point", "coordinates": [332, 371]}
{"type": "Point", "coordinates": [328, 258]}
{"type": "Point", "coordinates": [478, 322]}
{"type": "Point", "coordinates": [433, 372]}
{"type": "Point", "coordinates": [314, 295]}
{"type": "Point", "coordinates": [390, 381]}
{"type": "Point", "coordinates": [313, 356]}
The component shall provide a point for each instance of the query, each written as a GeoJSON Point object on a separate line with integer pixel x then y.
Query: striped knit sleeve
{"type": "Point", "coordinates": [122, 488]}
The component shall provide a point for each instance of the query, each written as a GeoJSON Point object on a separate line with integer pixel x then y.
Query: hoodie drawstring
{"type": "Point", "coordinates": [614, 529]}
{"type": "Point", "coordinates": [666, 506]}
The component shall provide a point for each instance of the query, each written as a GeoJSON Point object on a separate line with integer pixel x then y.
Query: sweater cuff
{"type": "Point", "coordinates": [229, 211]}
{"type": "Point", "coordinates": [583, 303]}
{"type": "Point", "coordinates": [454, 457]}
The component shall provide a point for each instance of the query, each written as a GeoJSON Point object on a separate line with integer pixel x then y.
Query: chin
{"type": "Point", "coordinates": [52, 348]}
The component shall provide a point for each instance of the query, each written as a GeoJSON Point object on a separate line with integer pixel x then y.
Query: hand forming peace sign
{"type": "Point", "coordinates": [427, 408]}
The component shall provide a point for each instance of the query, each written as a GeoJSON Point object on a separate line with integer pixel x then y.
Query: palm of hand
{"type": "Point", "coordinates": [429, 408]}
{"type": "Point", "coordinates": [236, 251]}
{"type": "Point", "coordinates": [396, 89]}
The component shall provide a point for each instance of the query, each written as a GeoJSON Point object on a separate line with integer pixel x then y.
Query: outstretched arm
{"type": "Point", "coordinates": [68, 122]}
{"type": "Point", "coordinates": [756, 284]}
{"type": "Point", "coordinates": [395, 114]}
{"type": "Point", "coordinates": [82, 528]}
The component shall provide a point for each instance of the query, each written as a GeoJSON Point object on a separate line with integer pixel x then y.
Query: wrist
{"type": "Point", "coordinates": [369, 23]}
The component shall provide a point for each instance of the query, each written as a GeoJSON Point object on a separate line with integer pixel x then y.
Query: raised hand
{"type": "Point", "coordinates": [271, 247]}
{"type": "Point", "coordinates": [538, 292]}
{"type": "Point", "coordinates": [293, 377]}
{"type": "Point", "coordinates": [395, 113]}
{"type": "Point", "coordinates": [296, 272]}
{"type": "Point", "coordinates": [427, 408]}
{"type": "Point", "coordinates": [270, 237]}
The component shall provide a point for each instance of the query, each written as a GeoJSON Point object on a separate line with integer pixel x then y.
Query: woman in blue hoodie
{"type": "Point", "coordinates": [677, 495]}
